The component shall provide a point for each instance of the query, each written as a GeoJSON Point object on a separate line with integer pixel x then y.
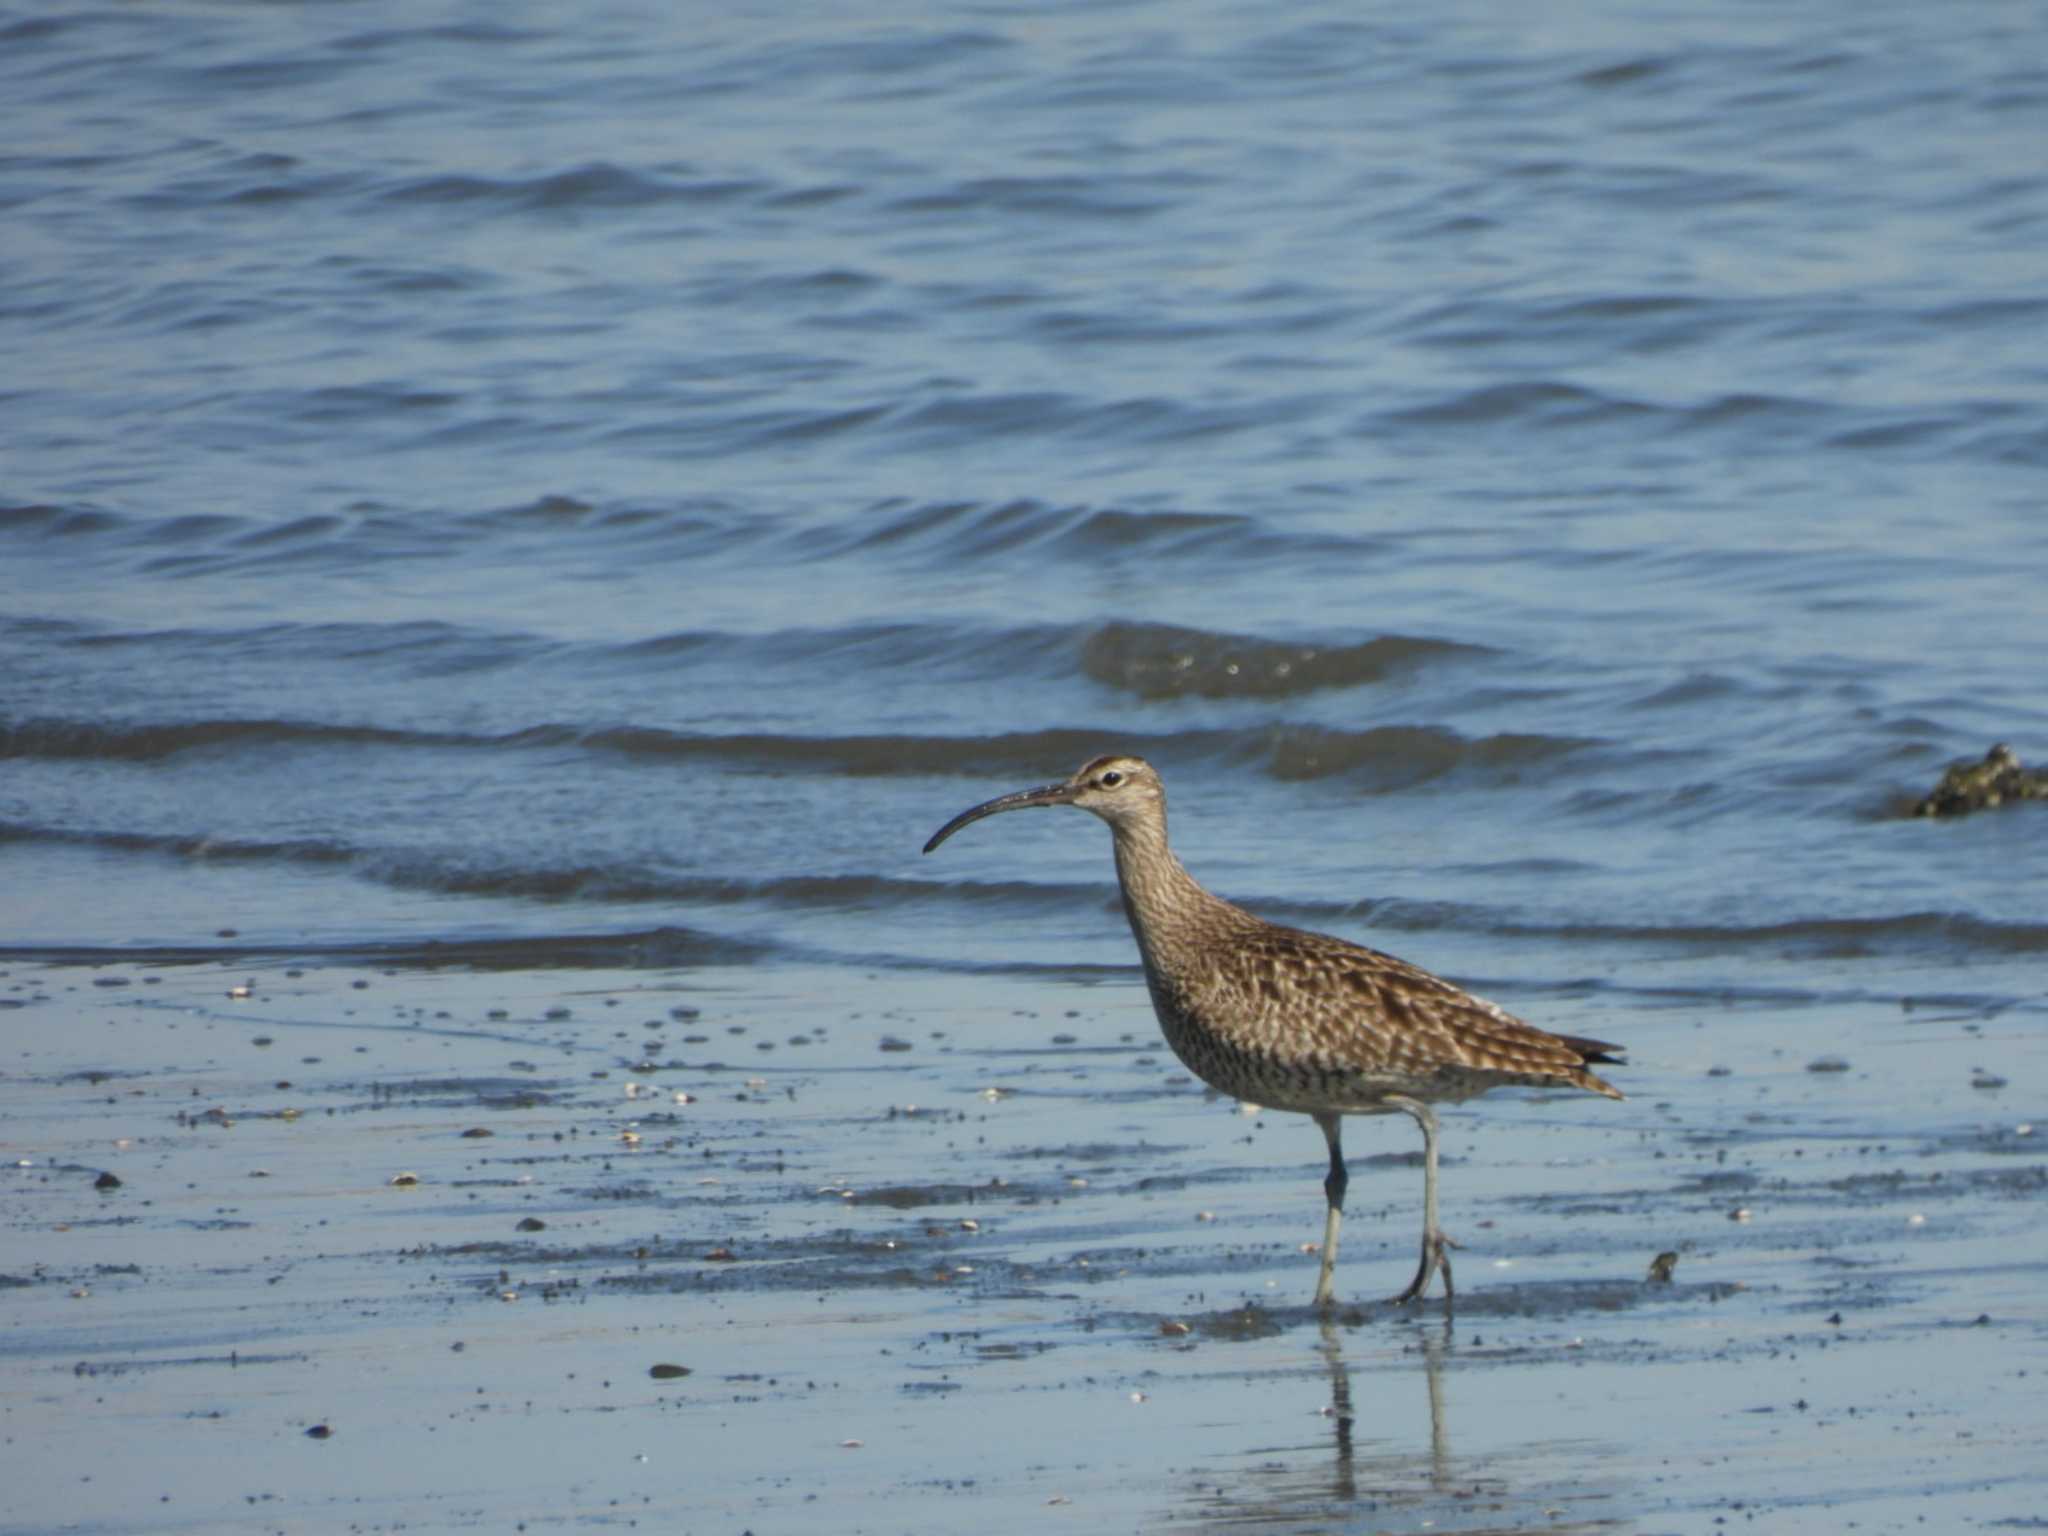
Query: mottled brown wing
{"type": "Point", "coordinates": [1399, 1017]}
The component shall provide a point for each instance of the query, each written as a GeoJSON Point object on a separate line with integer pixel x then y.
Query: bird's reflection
{"type": "Point", "coordinates": [1358, 1480]}
{"type": "Point", "coordinates": [1431, 1341]}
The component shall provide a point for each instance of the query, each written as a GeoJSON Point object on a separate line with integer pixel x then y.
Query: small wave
{"type": "Point", "coordinates": [1753, 420]}
{"type": "Point", "coordinates": [1538, 402]}
{"type": "Point", "coordinates": [340, 404]}
{"type": "Point", "coordinates": [865, 756]}
{"type": "Point", "coordinates": [1626, 322]}
{"type": "Point", "coordinates": [1918, 933]}
{"type": "Point", "coordinates": [365, 534]}
{"type": "Point", "coordinates": [1379, 758]}
{"type": "Point", "coordinates": [1392, 757]}
{"type": "Point", "coordinates": [422, 647]}
{"type": "Point", "coordinates": [406, 39]}
{"type": "Point", "coordinates": [1832, 937]}
{"type": "Point", "coordinates": [651, 948]}
{"type": "Point", "coordinates": [598, 185]}
{"type": "Point", "coordinates": [303, 850]}
{"type": "Point", "coordinates": [189, 528]}
{"type": "Point", "coordinates": [41, 520]}
{"type": "Point", "coordinates": [1116, 528]}
{"type": "Point", "coordinates": [853, 755]}
{"type": "Point", "coordinates": [1162, 661]}
{"type": "Point", "coordinates": [462, 873]}
{"type": "Point", "coordinates": [1383, 757]}
{"type": "Point", "coordinates": [1092, 198]}
{"type": "Point", "coordinates": [959, 531]}
{"type": "Point", "coordinates": [1627, 72]}
{"type": "Point", "coordinates": [1745, 409]}
{"type": "Point", "coordinates": [154, 742]}
{"type": "Point", "coordinates": [969, 420]}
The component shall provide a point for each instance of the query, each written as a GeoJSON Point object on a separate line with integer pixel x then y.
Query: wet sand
{"type": "Point", "coordinates": [404, 1249]}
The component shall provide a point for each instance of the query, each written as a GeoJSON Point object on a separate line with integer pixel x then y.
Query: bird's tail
{"type": "Point", "coordinates": [1596, 1052]}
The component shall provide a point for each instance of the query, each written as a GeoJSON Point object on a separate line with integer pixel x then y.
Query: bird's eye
{"type": "Point", "coordinates": [1111, 779]}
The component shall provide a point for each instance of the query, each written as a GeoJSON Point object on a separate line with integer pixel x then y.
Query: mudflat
{"type": "Point", "coordinates": [789, 1249]}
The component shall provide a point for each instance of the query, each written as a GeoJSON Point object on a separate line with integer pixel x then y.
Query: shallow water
{"type": "Point", "coordinates": [577, 505]}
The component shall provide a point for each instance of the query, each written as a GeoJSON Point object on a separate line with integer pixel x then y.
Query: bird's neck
{"type": "Point", "coordinates": [1166, 905]}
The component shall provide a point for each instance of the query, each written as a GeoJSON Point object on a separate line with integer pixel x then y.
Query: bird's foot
{"type": "Point", "coordinates": [1436, 1259]}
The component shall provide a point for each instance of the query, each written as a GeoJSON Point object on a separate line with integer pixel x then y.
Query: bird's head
{"type": "Point", "coordinates": [1122, 790]}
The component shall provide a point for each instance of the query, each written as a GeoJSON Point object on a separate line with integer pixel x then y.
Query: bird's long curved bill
{"type": "Point", "coordinates": [1023, 799]}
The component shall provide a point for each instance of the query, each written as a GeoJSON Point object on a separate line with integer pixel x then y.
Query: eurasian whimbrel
{"type": "Point", "coordinates": [1302, 1021]}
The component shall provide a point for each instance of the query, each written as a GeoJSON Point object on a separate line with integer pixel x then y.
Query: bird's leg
{"type": "Point", "coordinates": [1333, 1191]}
{"type": "Point", "coordinates": [1435, 1246]}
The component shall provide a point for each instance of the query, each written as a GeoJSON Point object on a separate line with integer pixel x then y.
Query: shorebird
{"type": "Point", "coordinates": [1300, 1021]}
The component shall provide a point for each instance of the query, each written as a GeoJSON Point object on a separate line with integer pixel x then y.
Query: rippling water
{"type": "Point", "coordinates": [1548, 489]}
